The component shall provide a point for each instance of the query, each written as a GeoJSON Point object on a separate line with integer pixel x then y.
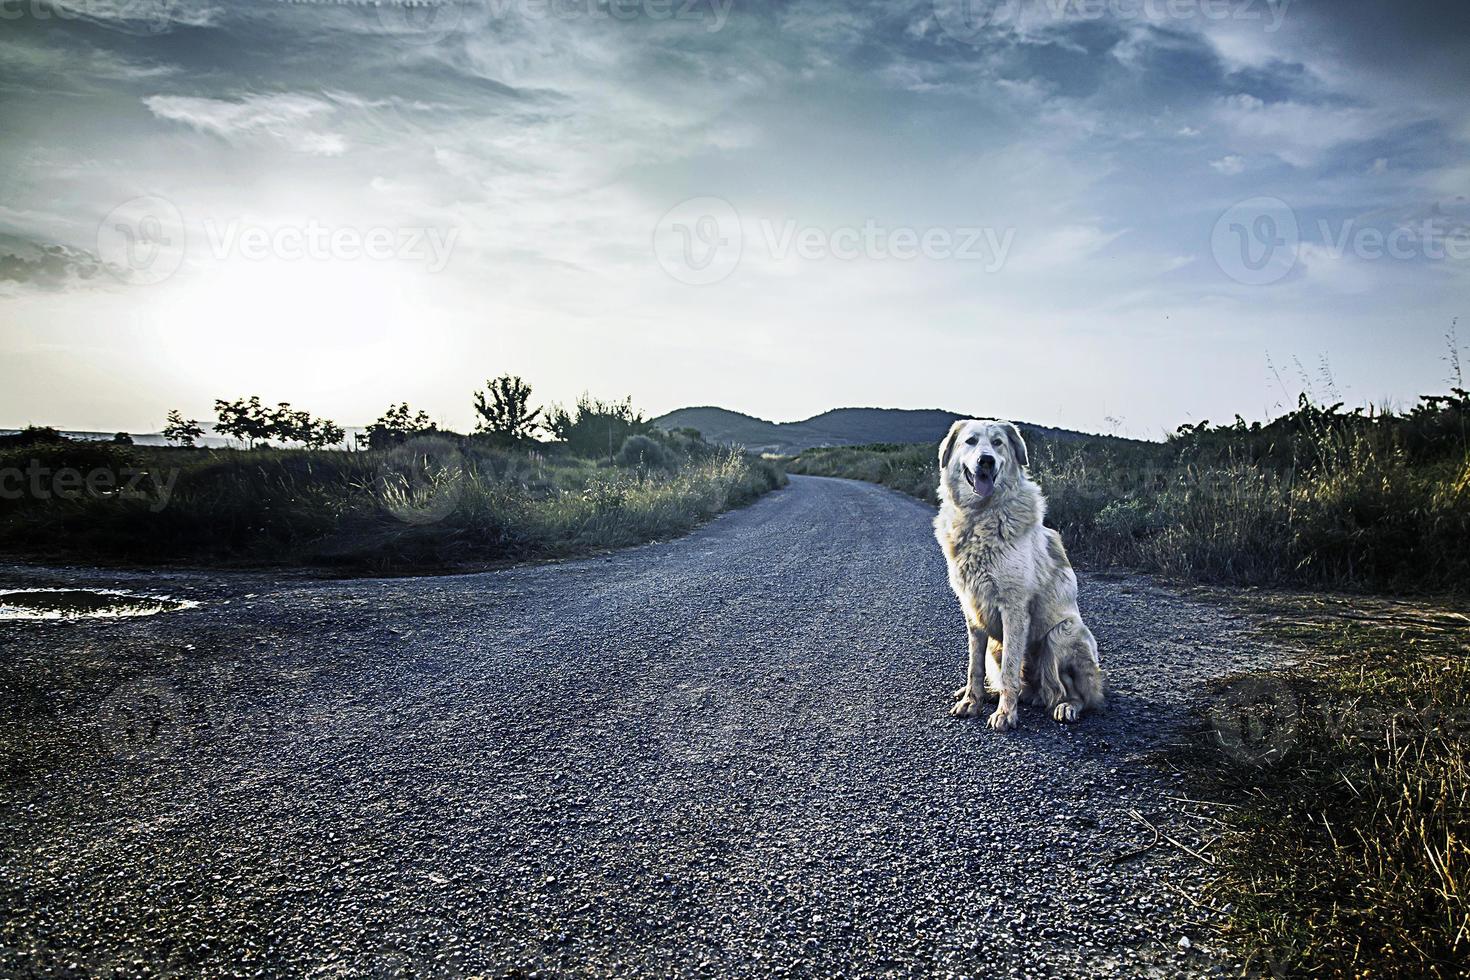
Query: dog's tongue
{"type": "Point", "coordinates": [984, 484]}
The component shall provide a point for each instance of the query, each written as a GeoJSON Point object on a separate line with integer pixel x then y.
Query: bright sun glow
{"type": "Point", "coordinates": [313, 328]}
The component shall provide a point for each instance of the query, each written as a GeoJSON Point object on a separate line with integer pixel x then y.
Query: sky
{"type": "Point", "coordinates": [1109, 215]}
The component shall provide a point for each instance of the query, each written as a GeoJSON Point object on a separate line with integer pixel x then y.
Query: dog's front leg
{"type": "Point", "coordinates": [972, 695]}
{"type": "Point", "coordinates": [1016, 623]}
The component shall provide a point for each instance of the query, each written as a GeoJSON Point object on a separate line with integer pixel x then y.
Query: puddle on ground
{"type": "Point", "coordinates": [84, 604]}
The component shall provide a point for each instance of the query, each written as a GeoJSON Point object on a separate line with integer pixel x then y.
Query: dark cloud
{"type": "Point", "coordinates": [49, 267]}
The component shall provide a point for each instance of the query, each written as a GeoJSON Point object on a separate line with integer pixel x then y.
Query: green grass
{"type": "Point", "coordinates": [1347, 838]}
{"type": "Point", "coordinates": [434, 503]}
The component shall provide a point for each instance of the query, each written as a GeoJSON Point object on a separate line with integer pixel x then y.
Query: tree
{"type": "Point", "coordinates": [507, 414]}
{"type": "Point", "coordinates": [254, 423]}
{"type": "Point", "coordinates": [396, 426]}
{"type": "Point", "coordinates": [249, 421]}
{"type": "Point", "coordinates": [290, 425]}
{"type": "Point", "coordinates": [324, 433]}
{"type": "Point", "coordinates": [596, 427]}
{"type": "Point", "coordinates": [181, 430]}
{"type": "Point", "coordinates": [295, 425]}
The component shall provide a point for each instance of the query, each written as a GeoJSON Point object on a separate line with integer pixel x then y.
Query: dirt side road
{"type": "Point", "coordinates": [728, 754]}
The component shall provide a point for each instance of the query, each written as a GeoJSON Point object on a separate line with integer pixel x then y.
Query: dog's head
{"type": "Point", "coordinates": [978, 457]}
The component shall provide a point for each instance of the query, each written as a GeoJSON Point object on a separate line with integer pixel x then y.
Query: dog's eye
{"type": "Point", "coordinates": [972, 440]}
{"type": "Point", "coordinates": [995, 443]}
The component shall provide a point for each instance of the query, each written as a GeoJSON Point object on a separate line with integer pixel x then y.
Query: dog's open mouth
{"type": "Point", "coordinates": [981, 479]}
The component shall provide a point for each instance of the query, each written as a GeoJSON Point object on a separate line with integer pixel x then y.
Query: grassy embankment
{"type": "Point", "coordinates": [1345, 847]}
{"type": "Point", "coordinates": [434, 502]}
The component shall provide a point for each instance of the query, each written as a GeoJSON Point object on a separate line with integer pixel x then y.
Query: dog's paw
{"type": "Point", "coordinates": [968, 706]}
{"type": "Point", "coordinates": [1003, 719]}
{"type": "Point", "coordinates": [1067, 711]}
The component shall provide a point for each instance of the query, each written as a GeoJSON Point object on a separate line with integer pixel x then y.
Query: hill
{"type": "Point", "coordinates": [837, 427]}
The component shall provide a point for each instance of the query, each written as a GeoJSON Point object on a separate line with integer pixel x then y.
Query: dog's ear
{"type": "Point", "coordinates": [1018, 445]}
{"type": "Point", "coordinates": [946, 448]}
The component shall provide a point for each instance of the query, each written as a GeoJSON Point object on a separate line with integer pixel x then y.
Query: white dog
{"type": "Point", "coordinates": [1011, 574]}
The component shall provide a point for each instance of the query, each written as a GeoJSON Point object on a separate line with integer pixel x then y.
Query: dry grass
{"type": "Point", "coordinates": [434, 503]}
{"type": "Point", "coordinates": [1348, 852]}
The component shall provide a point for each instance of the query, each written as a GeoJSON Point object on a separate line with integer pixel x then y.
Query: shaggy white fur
{"type": "Point", "coordinates": [1013, 580]}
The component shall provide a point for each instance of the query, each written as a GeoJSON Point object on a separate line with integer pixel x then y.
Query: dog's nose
{"type": "Point", "coordinates": [987, 460]}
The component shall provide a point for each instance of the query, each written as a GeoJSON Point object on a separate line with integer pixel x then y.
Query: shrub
{"type": "Point", "coordinates": [434, 502]}
{"type": "Point", "coordinates": [644, 453]}
{"type": "Point", "coordinates": [596, 428]}
{"type": "Point", "coordinates": [31, 435]}
{"type": "Point", "coordinates": [1317, 497]}
{"type": "Point", "coordinates": [397, 425]}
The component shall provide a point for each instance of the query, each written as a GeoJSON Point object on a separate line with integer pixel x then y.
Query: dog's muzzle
{"type": "Point", "coordinates": [982, 478]}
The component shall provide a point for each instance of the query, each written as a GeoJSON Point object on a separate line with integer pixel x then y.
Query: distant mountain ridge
{"type": "Point", "coordinates": [836, 427]}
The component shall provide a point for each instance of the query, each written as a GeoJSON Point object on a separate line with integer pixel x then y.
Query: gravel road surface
{"type": "Point", "coordinates": [723, 755]}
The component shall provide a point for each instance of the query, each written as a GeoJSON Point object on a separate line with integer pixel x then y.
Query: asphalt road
{"type": "Point", "coordinates": [727, 754]}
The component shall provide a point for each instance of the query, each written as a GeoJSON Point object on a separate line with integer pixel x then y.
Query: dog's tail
{"type": "Point", "coordinates": [1088, 682]}
{"type": "Point", "coordinates": [1076, 657]}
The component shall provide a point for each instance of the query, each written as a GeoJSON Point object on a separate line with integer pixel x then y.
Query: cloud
{"type": "Point", "coordinates": [142, 17]}
{"type": "Point", "coordinates": [48, 267]}
{"type": "Point", "coordinates": [1229, 165]}
{"type": "Point", "coordinates": [556, 142]}
{"type": "Point", "coordinates": [1299, 133]}
{"type": "Point", "coordinates": [288, 119]}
